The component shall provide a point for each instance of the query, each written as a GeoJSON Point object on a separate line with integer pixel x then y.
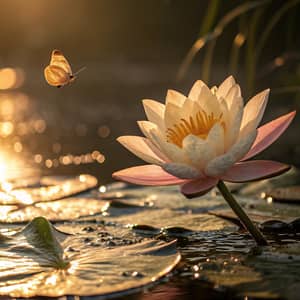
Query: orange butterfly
{"type": "Point", "coordinates": [59, 72]}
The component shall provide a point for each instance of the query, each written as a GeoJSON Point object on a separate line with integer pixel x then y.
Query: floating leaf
{"type": "Point", "coordinates": [268, 273]}
{"type": "Point", "coordinates": [292, 177]}
{"type": "Point", "coordinates": [60, 189]}
{"type": "Point", "coordinates": [163, 208]}
{"type": "Point", "coordinates": [162, 212]}
{"type": "Point", "coordinates": [284, 194]}
{"type": "Point", "coordinates": [42, 261]}
{"type": "Point", "coordinates": [267, 223]}
{"type": "Point", "coordinates": [59, 210]}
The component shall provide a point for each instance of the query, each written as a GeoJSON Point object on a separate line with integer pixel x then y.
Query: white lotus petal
{"type": "Point", "coordinates": [220, 164]}
{"type": "Point", "coordinates": [199, 151]}
{"type": "Point", "coordinates": [253, 111]}
{"type": "Point", "coordinates": [209, 102]}
{"type": "Point", "coordinates": [225, 87]}
{"type": "Point", "coordinates": [214, 89]}
{"type": "Point", "coordinates": [174, 114]}
{"type": "Point", "coordinates": [235, 115]}
{"type": "Point", "coordinates": [216, 139]}
{"type": "Point", "coordinates": [155, 112]}
{"type": "Point", "coordinates": [140, 147]}
{"type": "Point", "coordinates": [224, 111]}
{"type": "Point", "coordinates": [195, 90]}
{"type": "Point", "coordinates": [175, 98]}
{"type": "Point", "coordinates": [173, 152]}
{"type": "Point", "coordinates": [233, 93]}
{"type": "Point", "coordinates": [145, 127]}
{"type": "Point", "coordinates": [182, 171]}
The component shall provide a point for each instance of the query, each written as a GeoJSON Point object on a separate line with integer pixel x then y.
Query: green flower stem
{"type": "Point", "coordinates": [247, 223]}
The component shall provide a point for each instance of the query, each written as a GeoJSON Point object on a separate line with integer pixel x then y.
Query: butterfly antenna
{"type": "Point", "coordinates": [80, 70]}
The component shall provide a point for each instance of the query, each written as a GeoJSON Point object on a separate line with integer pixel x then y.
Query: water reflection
{"type": "Point", "coordinates": [11, 78]}
{"type": "Point", "coordinates": [32, 140]}
{"type": "Point", "coordinates": [14, 166]}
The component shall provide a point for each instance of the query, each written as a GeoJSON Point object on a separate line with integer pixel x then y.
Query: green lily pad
{"type": "Point", "coordinates": [55, 189]}
{"type": "Point", "coordinates": [40, 260]}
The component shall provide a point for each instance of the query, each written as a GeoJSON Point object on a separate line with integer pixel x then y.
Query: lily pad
{"type": "Point", "coordinates": [59, 210]}
{"type": "Point", "coordinates": [267, 223]}
{"type": "Point", "coordinates": [121, 219]}
{"type": "Point", "coordinates": [290, 178]}
{"type": "Point", "coordinates": [257, 218]}
{"type": "Point", "coordinates": [284, 194]}
{"type": "Point", "coordinates": [57, 190]}
{"type": "Point", "coordinates": [269, 273]}
{"type": "Point", "coordinates": [38, 261]}
{"type": "Point", "coordinates": [160, 208]}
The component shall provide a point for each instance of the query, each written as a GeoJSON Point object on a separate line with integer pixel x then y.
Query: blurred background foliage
{"type": "Point", "coordinates": [132, 50]}
{"type": "Point", "coordinates": [264, 41]}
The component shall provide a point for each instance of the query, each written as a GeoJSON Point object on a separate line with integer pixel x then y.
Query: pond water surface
{"type": "Point", "coordinates": [61, 134]}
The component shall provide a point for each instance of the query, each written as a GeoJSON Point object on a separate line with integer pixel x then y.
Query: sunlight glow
{"type": "Point", "coordinates": [8, 78]}
{"type": "Point", "coordinates": [239, 39]}
{"type": "Point", "coordinates": [6, 128]}
{"type": "Point", "coordinates": [11, 78]}
{"type": "Point", "coordinates": [51, 280]}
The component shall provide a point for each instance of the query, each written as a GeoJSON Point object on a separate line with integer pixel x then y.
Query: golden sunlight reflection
{"type": "Point", "coordinates": [51, 280]}
{"type": "Point", "coordinates": [11, 78]}
{"type": "Point", "coordinates": [13, 107]}
{"type": "Point", "coordinates": [103, 131]}
{"type": "Point", "coordinates": [22, 196]}
{"type": "Point", "coordinates": [6, 128]}
{"type": "Point", "coordinates": [12, 166]}
{"type": "Point", "coordinates": [239, 39]}
{"type": "Point", "coordinates": [68, 159]}
{"type": "Point", "coordinates": [102, 189]}
{"type": "Point", "coordinates": [73, 267]}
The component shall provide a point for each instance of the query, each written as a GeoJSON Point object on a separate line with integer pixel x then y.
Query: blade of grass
{"type": "Point", "coordinates": [238, 42]}
{"type": "Point", "coordinates": [278, 62]}
{"type": "Point", "coordinates": [217, 31]}
{"type": "Point", "coordinates": [291, 28]}
{"type": "Point", "coordinates": [210, 16]}
{"type": "Point", "coordinates": [207, 62]}
{"type": "Point", "coordinates": [286, 89]}
{"type": "Point", "coordinates": [273, 21]}
{"type": "Point", "coordinates": [207, 24]}
{"type": "Point", "coordinates": [250, 51]}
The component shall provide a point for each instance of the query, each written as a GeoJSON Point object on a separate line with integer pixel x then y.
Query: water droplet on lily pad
{"type": "Point", "coordinates": [37, 261]}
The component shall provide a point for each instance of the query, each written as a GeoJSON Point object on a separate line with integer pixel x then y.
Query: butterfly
{"type": "Point", "coordinates": [59, 73]}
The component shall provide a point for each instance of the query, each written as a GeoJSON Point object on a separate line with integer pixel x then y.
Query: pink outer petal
{"type": "Point", "coordinates": [148, 175]}
{"type": "Point", "coordinates": [254, 170]}
{"type": "Point", "coordinates": [269, 133]}
{"type": "Point", "coordinates": [198, 187]}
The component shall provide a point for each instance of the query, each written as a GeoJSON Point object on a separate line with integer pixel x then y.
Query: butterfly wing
{"type": "Point", "coordinates": [58, 59]}
{"type": "Point", "coordinates": [59, 72]}
{"type": "Point", "coordinates": [56, 76]}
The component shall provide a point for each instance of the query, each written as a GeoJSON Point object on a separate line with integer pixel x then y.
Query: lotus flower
{"type": "Point", "coordinates": [198, 140]}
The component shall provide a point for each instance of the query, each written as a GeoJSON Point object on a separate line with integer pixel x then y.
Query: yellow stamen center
{"type": "Point", "coordinates": [199, 124]}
